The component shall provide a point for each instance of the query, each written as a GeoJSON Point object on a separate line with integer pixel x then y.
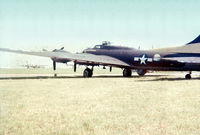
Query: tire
{"type": "Point", "coordinates": [87, 73]}
{"type": "Point", "coordinates": [127, 72]}
{"type": "Point", "coordinates": [187, 76]}
{"type": "Point", "coordinates": [141, 72]}
{"type": "Point", "coordinates": [90, 73]}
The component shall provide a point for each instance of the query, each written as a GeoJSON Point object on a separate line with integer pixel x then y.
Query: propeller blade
{"type": "Point", "coordinates": [110, 69]}
{"type": "Point", "coordinates": [58, 49]}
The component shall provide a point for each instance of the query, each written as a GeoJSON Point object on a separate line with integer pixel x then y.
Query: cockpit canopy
{"type": "Point", "coordinates": [107, 45]}
{"type": "Point", "coordinates": [104, 43]}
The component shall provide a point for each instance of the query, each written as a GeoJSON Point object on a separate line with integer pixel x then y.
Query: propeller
{"type": "Point", "coordinates": [110, 69]}
{"type": "Point", "coordinates": [54, 65]}
{"type": "Point", "coordinates": [62, 48]}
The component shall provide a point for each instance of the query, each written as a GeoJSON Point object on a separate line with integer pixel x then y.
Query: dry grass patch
{"type": "Point", "coordinates": [105, 106]}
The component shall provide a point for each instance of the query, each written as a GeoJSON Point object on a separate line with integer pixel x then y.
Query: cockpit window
{"type": "Point", "coordinates": [97, 47]}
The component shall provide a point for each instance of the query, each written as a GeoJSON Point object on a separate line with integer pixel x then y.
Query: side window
{"type": "Point", "coordinates": [97, 47]}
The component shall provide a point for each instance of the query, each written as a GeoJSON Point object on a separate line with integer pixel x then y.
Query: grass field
{"type": "Point", "coordinates": [102, 105]}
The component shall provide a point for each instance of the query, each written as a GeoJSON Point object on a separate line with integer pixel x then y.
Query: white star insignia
{"type": "Point", "coordinates": [143, 59]}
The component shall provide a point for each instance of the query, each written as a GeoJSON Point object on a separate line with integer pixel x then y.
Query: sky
{"type": "Point", "coordinates": [78, 24]}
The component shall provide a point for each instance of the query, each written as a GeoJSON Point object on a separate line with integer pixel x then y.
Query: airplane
{"type": "Point", "coordinates": [33, 66]}
{"type": "Point", "coordinates": [182, 58]}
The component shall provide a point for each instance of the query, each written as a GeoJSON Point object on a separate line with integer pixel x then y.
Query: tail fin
{"type": "Point", "coordinates": [196, 40]}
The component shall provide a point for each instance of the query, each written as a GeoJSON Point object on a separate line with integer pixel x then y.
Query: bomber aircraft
{"type": "Point", "coordinates": [182, 58]}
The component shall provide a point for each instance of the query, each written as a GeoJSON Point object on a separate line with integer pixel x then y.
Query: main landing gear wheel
{"type": "Point", "coordinates": [87, 73]}
{"type": "Point", "coordinates": [127, 72]}
{"type": "Point", "coordinates": [188, 76]}
{"type": "Point", "coordinates": [141, 72]}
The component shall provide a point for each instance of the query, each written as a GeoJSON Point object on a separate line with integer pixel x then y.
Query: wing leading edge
{"type": "Point", "coordinates": [80, 57]}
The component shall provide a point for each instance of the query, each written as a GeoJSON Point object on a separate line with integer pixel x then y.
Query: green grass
{"type": "Point", "coordinates": [151, 105]}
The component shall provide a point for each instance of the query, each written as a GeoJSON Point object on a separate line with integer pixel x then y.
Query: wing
{"type": "Point", "coordinates": [80, 57]}
{"type": "Point", "coordinates": [184, 59]}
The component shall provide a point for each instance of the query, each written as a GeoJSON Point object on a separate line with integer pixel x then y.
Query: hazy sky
{"type": "Point", "coordinates": [77, 24]}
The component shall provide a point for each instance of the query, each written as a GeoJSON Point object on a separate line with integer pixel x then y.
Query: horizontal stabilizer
{"type": "Point", "coordinates": [184, 59]}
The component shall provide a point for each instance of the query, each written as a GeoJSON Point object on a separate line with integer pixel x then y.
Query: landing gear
{"type": "Point", "coordinates": [54, 68]}
{"type": "Point", "coordinates": [127, 72]}
{"type": "Point", "coordinates": [87, 73]}
{"type": "Point", "coordinates": [188, 76]}
{"type": "Point", "coordinates": [141, 72]}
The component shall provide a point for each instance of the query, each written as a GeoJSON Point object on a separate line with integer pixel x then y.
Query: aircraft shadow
{"type": "Point", "coordinates": [71, 77]}
{"type": "Point", "coordinates": [38, 77]}
{"type": "Point", "coordinates": [169, 79]}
